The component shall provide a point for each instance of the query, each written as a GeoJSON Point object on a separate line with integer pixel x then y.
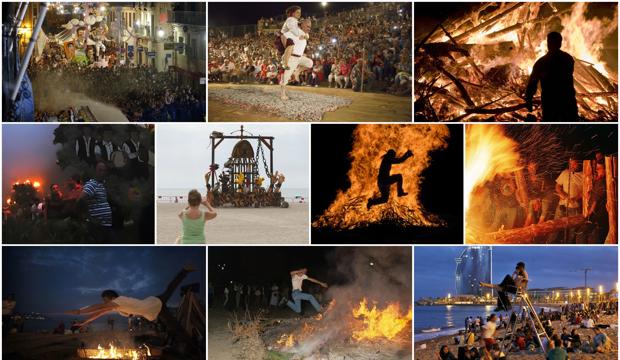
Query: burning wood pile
{"type": "Point", "coordinates": [361, 331]}
{"type": "Point", "coordinates": [370, 145]}
{"type": "Point", "coordinates": [115, 352]}
{"type": "Point", "coordinates": [476, 67]}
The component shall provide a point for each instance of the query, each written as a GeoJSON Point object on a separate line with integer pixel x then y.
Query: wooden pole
{"type": "Point", "coordinates": [588, 185]}
{"type": "Point", "coordinates": [611, 182]}
{"type": "Point", "coordinates": [522, 191]}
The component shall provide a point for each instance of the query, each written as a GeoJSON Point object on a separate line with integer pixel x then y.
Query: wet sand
{"type": "Point", "coordinates": [433, 345]}
{"type": "Point", "coordinates": [267, 225]}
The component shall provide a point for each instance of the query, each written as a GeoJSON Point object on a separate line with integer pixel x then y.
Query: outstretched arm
{"type": "Point", "coordinates": [317, 282]}
{"type": "Point", "coordinates": [211, 214]}
{"type": "Point", "coordinates": [403, 158]}
{"type": "Point", "coordinates": [92, 309]}
{"type": "Point", "coordinates": [94, 317]}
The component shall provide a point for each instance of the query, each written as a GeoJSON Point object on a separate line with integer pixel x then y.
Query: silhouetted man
{"type": "Point", "coordinates": [555, 73]}
{"type": "Point", "coordinates": [385, 180]}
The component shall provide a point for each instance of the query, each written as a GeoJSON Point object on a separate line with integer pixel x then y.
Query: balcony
{"type": "Point", "coordinates": [187, 18]}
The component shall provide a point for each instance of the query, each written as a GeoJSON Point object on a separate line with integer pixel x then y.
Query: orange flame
{"type": "Point", "coordinates": [370, 143]}
{"type": "Point", "coordinates": [114, 352]}
{"type": "Point", "coordinates": [287, 340]}
{"type": "Point", "coordinates": [386, 323]}
{"type": "Point", "coordinates": [488, 152]}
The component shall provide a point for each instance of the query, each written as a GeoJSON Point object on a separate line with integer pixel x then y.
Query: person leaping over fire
{"type": "Point", "coordinates": [285, 38]}
{"type": "Point", "coordinates": [297, 295]}
{"type": "Point", "coordinates": [385, 180]}
{"type": "Point", "coordinates": [510, 285]}
{"type": "Point", "coordinates": [152, 308]}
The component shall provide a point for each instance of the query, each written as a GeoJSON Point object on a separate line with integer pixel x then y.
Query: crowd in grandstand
{"type": "Point", "coordinates": [369, 46]}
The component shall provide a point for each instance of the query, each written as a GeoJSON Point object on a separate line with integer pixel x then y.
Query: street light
{"type": "Point", "coordinates": [160, 33]}
{"type": "Point", "coordinates": [324, 4]}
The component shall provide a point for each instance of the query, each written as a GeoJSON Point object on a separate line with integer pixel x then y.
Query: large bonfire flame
{"type": "Point", "coordinates": [364, 324]}
{"type": "Point", "coordinates": [477, 66]}
{"type": "Point", "coordinates": [377, 323]}
{"type": "Point", "coordinates": [488, 152]}
{"type": "Point", "coordinates": [370, 143]}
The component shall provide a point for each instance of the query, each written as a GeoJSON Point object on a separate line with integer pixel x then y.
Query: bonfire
{"type": "Point", "coordinates": [476, 67]}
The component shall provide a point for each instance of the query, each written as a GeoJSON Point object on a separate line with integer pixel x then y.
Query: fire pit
{"type": "Point", "coordinates": [113, 352]}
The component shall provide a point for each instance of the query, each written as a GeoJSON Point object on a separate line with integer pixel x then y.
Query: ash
{"type": "Point", "coordinates": [302, 106]}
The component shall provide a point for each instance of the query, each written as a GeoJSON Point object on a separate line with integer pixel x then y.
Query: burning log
{"type": "Point", "coordinates": [489, 22]}
{"type": "Point", "coordinates": [527, 235]}
{"type": "Point", "coordinates": [611, 182]}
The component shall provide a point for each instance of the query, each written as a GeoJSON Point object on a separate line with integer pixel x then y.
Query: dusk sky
{"type": "Point", "coordinates": [187, 153]}
{"type": "Point", "coordinates": [55, 279]}
{"type": "Point", "coordinates": [28, 153]}
{"type": "Point", "coordinates": [547, 266]}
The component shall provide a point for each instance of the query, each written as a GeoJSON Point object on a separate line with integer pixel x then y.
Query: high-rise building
{"type": "Point", "coordinates": [472, 267]}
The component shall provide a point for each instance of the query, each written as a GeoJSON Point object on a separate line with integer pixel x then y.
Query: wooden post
{"type": "Point", "coordinates": [611, 181]}
{"type": "Point", "coordinates": [588, 185]}
{"type": "Point", "coordinates": [522, 193]}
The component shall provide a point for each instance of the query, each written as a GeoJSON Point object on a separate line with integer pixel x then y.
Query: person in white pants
{"type": "Point", "coordinates": [298, 60]}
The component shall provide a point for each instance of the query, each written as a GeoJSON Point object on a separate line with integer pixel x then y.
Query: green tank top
{"type": "Point", "coordinates": [193, 230]}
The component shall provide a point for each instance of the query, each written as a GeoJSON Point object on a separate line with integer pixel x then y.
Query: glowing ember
{"type": "Point", "coordinates": [371, 143]}
{"type": "Point", "coordinates": [378, 324]}
{"type": "Point", "coordinates": [494, 48]}
{"type": "Point", "coordinates": [36, 184]}
{"type": "Point", "coordinates": [287, 341]}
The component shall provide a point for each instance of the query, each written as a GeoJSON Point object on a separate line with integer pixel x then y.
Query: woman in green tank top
{"type": "Point", "coordinates": [193, 218]}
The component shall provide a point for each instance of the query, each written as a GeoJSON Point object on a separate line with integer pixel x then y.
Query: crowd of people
{"type": "Point", "coordinates": [548, 197]}
{"type": "Point", "coordinates": [105, 200]}
{"type": "Point", "coordinates": [141, 93]}
{"type": "Point", "coordinates": [580, 333]}
{"type": "Point", "coordinates": [372, 44]}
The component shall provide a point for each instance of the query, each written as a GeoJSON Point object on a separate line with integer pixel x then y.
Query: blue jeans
{"type": "Point", "coordinates": [297, 297]}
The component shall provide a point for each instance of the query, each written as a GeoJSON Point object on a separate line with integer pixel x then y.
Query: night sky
{"type": "Point", "coordinates": [264, 265]}
{"type": "Point", "coordinates": [227, 14]}
{"type": "Point", "coordinates": [331, 145]}
{"type": "Point", "coordinates": [52, 280]}
{"type": "Point", "coordinates": [557, 266]}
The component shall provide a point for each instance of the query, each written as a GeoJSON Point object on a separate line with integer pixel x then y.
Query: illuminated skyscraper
{"type": "Point", "coordinates": [472, 267]}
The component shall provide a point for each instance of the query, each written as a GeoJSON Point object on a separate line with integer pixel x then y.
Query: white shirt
{"type": "Point", "coordinates": [297, 280]}
{"type": "Point", "coordinates": [488, 330]}
{"type": "Point", "coordinates": [521, 281]}
{"type": "Point", "coordinates": [148, 308]}
{"type": "Point", "coordinates": [87, 145]}
{"type": "Point", "coordinates": [572, 184]}
{"type": "Point", "coordinates": [131, 155]}
{"type": "Point", "coordinates": [290, 28]}
{"type": "Point", "coordinates": [109, 147]}
{"type": "Point", "coordinates": [300, 45]}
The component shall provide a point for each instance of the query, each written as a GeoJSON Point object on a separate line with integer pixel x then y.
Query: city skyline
{"type": "Point", "coordinates": [434, 267]}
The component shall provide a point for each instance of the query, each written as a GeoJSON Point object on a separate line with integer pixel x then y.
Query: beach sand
{"type": "Point", "coordinates": [45, 346]}
{"type": "Point", "coordinates": [269, 225]}
{"type": "Point", "coordinates": [433, 345]}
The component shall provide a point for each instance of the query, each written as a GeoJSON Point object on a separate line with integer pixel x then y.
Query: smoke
{"type": "Point", "coordinates": [381, 275]}
{"type": "Point", "coordinates": [53, 95]}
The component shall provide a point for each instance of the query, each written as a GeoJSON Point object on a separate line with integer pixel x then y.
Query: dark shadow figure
{"type": "Point", "coordinates": [554, 71]}
{"type": "Point", "coordinates": [385, 180]}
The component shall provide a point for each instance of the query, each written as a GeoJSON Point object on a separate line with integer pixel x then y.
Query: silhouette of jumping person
{"type": "Point", "coordinates": [385, 180]}
{"type": "Point", "coordinates": [555, 72]}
